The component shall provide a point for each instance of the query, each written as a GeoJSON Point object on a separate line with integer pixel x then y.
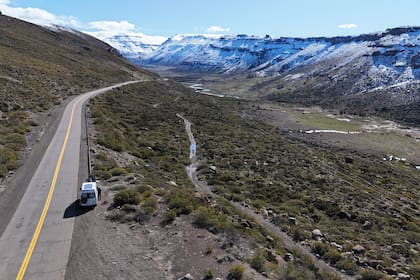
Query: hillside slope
{"type": "Point", "coordinates": [39, 68]}
{"type": "Point", "coordinates": [39, 64]}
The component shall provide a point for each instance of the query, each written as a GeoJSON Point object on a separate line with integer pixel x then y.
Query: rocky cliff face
{"type": "Point", "coordinates": [396, 49]}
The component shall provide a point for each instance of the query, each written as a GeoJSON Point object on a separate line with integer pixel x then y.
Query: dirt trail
{"type": "Point", "coordinates": [287, 240]}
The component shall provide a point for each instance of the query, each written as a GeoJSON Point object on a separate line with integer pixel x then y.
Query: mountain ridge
{"type": "Point", "coordinates": [376, 72]}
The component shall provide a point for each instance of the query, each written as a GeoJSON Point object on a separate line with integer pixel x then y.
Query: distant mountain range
{"type": "Point", "coordinates": [396, 49]}
{"type": "Point", "coordinates": [134, 45]}
{"type": "Point", "coordinates": [378, 71]}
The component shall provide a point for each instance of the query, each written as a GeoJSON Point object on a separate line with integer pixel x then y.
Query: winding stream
{"type": "Point", "coordinates": [199, 89]}
{"type": "Point", "coordinates": [193, 144]}
{"type": "Point", "coordinates": [203, 187]}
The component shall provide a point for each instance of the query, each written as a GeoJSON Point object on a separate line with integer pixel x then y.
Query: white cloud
{"type": "Point", "coordinates": [37, 16]}
{"type": "Point", "coordinates": [100, 29]}
{"type": "Point", "coordinates": [217, 28]}
{"type": "Point", "coordinates": [112, 26]}
{"type": "Point", "coordinates": [104, 30]}
{"type": "Point", "coordinates": [348, 26]}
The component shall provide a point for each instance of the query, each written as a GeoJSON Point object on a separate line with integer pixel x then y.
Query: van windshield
{"type": "Point", "coordinates": [88, 195]}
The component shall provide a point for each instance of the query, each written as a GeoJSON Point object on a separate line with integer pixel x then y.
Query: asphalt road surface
{"type": "Point", "coordinates": [36, 242]}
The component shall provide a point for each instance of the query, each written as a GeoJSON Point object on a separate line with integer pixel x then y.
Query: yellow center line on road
{"type": "Point", "coordinates": [40, 224]}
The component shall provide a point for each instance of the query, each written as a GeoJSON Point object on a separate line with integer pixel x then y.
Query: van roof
{"type": "Point", "coordinates": [88, 186]}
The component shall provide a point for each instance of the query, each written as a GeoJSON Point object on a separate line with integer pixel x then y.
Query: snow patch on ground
{"type": "Point", "coordinates": [331, 131]}
{"type": "Point", "coordinates": [339, 119]}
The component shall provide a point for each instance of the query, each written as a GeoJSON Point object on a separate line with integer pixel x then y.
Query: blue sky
{"type": "Point", "coordinates": [297, 18]}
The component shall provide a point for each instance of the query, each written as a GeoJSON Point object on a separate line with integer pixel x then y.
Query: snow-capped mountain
{"type": "Point", "coordinates": [133, 46]}
{"type": "Point", "coordinates": [394, 52]}
{"type": "Point", "coordinates": [379, 70]}
{"type": "Point", "coordinates": [396, 49]}
{"type": "Point", "coordinates": [383, 59]}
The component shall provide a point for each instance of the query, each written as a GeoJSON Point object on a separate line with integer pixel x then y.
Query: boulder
{"type": "Point", "coordinates": [348, 159]}
{"type": "Point", "coordinates": [224, 258]}
{"type": "Point", "coordinates": [316, 234]}
{"type": "Point", "coordinates": [403, 276]}
{"type": "Point", "coordinates": [391, 271]}
{"type": "Point", "coordinates": [292, 220]}
{"type": "Point", "coordinates": [367, 225]}
{"type": "Point", "coordinates": [264, 212]}
{"type": "Point", "coordinates": [270, 239]}
{"type": "Point", "coordinates": [186, 277]}
{"type": "Point", "coordinates": [288, 257]}
{"type": "Point", "coordinates": [344, 215]}
{"type": "Point", "coordinates": [375, 263]}
{"type": "Point", "coordinates": [245, 224]}
{"type": "Point", "coordinates": [337, 246]}
{"type": "Point", "coordinates": [358, 249]}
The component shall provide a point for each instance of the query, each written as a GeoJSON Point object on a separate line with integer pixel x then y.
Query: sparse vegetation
{"type": "Point", "coordinates": [245, 158]}
{"type": "Point", "coordinates": [258, 260]}
{"type": "Point", "coordinates": [290, 272]}
{"type": "Point", "coordinates": [210, 218]}
{"type": "Point", "coordinates": [13, 127]}
{"type": "Point", "coordinates": [127, 196]}
{"type": "Point", "coordinates": [41, 68]}
{"type": "Point", "coordinates": [371, 275]}
{"type": "Point", "coordinates": [168, 217]}
{"type": "Point", "coordinates": [348, 266]}
{"type": "Point", "coordinates": [236, 272]}
{"type": "Point", "coordinates": [208, 274]}
{"type": "Point", "coordinates": [118, 171]}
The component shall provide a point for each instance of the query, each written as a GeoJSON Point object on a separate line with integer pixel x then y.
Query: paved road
{"type": "Point", "coordinates": [45, 257]}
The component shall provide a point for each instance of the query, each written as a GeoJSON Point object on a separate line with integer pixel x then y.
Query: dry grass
{"type": "Point", "coordinates": [39, 68]}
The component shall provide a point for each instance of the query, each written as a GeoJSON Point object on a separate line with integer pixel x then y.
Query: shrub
{"type": "Point", "coordinates": [127, 196]}
{"type": "Point", "coordinates": [15, 141]}
{"type": "Point", "coordinates": [209, 250]}
{"type": "Point", "coordinates": [208, 274]}
{"type": "Point", "coordinates": [415, 271]}
{"type": "Point", "coordinates": [149, 204]}
{"type": "Point", "coordinates": [291, 272]}
{"type": "Point", "coordinates": [168, 217]}
{"type": "Point", "coordinates": [118, 171]}
{"type": "Point", "coordinates": [347, 265]}
{"type": "Point", "coordinates": [147, 194]}
{"type": "Point", "coordinates": [236, 272]}
{"type": "Point", "coordinates": [8, 158]}
{"type": "Point", "coordinates": [112, 140]}
{"type": "Point", "coordinates": [332, 256]}
{"type": "Point", "coordinates": [181, 201]}
{"type": "Point", "coordinates": [201, 217]}
{"type": "Point", "coordinates": [117, 188]}
{"type": "Point", "coordinates": [3, 170]}
{"type": "Point", "coordinates": [257, 260]}
{"type": "Point", "coordinates": [209, 218]}
{"type": "Point", "coordinates": [368, 274]}
{"type": "Point", "coordinates": [319, 248]}
{"type": "Point", "coordinates": [143, 188]}
{"type": "Point", "coordinates": [102, 174]}
{"type": "Point", "coordinates": [300, 234]}
{"type": "Point", "coordinates": [129, 208]}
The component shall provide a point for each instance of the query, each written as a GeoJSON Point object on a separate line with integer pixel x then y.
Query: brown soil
{"type": "Point", "coordinates": [104, 249]}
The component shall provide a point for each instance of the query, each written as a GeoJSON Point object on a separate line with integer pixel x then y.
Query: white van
{"type": "Point", "coordinates": [88, 195]}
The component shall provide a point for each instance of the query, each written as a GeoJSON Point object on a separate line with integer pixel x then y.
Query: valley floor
{"type": "Point", "coordinates": [301, 170]}
{"type": "Point", "coordinates": [344, 187]}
